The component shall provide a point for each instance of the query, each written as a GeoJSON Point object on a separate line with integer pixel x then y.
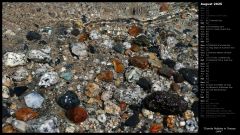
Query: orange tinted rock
{"type": "Point", "coordinates": [138, 61]}
{"type": "Point", "coordinates": [170, 121]}
{"type": "Point", "coordinates": [164, 7]}
{"type": "Point", "coordinates": [154, 128]}
{"type": "Point", "coordinates": [118, 66]}
{"type": "Point", "coordinates": [135, 48]}
{"type": "Point", "coordinates": [105, 76]}
{"type": "Point", "coordinates": [25, 114]}
{"type": "Point", "coordinates": [134, 30]}
{"type": "Point", "coordinates": [8, 129]}
{"type": "Point", "coordinates": [77, 114]}
{"type": "Point", "coordinates": [122, 105]}
{"type": "Point", "coordinates": [83, 37]}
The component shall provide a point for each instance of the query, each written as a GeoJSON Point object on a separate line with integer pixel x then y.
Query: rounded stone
{"type": "Point", "coordinates": [77, 114]}
{"type": "Point", "coordinates": [32, 35]}
{"type": "Point", "coordinates": [68, 100]}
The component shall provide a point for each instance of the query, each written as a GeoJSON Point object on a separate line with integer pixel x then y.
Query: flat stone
{"type": "Point", "coordinates": [25, 114]}
{"type": "Point", "coordinates": [32, 35]}
{"type": "Point", "coordinates": [138, 61]}
{"type": "Point", "coordinates": [34, 100]}
{"type": "Point", "coordinates": [142, 40]}
{"type": "Point", "coordinates": [106, 76]}
{"type": "Point", "coordinates": [12, 59]}
{"type": "Point", "coordinates": [166, 103]}
{"type": "Point", "coordinates": [39, 56]}
{"type": "Point", "coordinates": [118, 48]}
{"type": "Point", "coordinates": [67, 75]}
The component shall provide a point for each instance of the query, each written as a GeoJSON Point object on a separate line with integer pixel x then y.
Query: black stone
{"type": "Point", "coordinates": [43, 42]}
{"type": "Point", "coordinates": [118, 48]}
{"type": "Point", "coordinates": [84, 19]}
{"type": "Point", "coordinates": [195, 89]}
{"type": "Point", "coordinates": [169, 62]}
{"type": "Point", "coordinates": [91, 49]}
{"type": "Point", "coordinates": [165, 102]}
{"type": "Point", "coordinates": [5, 112]}
{"type": "Point", "coordinates": [180, 45]}
{"type": "Point", "coordinates": [154, 49]}
{"type": "Point", "coordinates": [32, 35]}
{"type": "Point", "coordinates": [144, 83]}
{"type": "Point", "coordinates": [136, 108]}
{"type": "Point", "coordinates": [195, 108]}
{"type": "Point", "coordinates": [166, 71]}
{"type": "Point", "coordinates": [57, 61]}
{"type": "Point", "coordinates": [132, 121]}
{"type": "Point", "coordinates": [25, 47]}
{"type": "Point", "coordinates": [63, 31]}
{"type": "Point", "coordinates": [190, 75]}
{"type": "Point", "coordinates": [178, 78]}
{"type": "Point", "coordinates": [68, 100]}
{"type": "Point", "coordinates": [142, 40]}
{"type": "Point", "coordinates": [187, 31]}
{"type": "Point", "coordinates": [75, 32]}
{"type": "Point", "coordinates": [18, 91]}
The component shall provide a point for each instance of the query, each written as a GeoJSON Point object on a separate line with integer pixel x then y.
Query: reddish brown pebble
{"type": "Point", "coordinates": [164, 7]}
{"type": "Point", "coordinates": [122, 105]}
{"type": "Point", "coordinates": [138, 61]}
{"type": "Point", "coordinates": [175, 87]}
{"type": "Point", "coordinates": [25, 114]}
{"type": "Point", "coordinates": [8, 129]}
{"type": "Point", "coordinates": [135, 48]}
{"type": "Point", "coordinates": [105, 76]}
{"type": "Point", "coordinates": [134, 31]}
{"type": "Point", "coordinates": [118, 66]}
{"type": "Point", "coordinates": [83, 37]}
{"type": "Point", "coordinates": [77, 114]}
{"type": "Point", "coordinates": [155, 128]}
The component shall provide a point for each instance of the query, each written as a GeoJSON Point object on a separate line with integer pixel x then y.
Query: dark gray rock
{"type": "Point", "coordinates": [190, 75]}
{"type": "Point", "coordinates": [68, 100]}
{"type": "Point", "coordinates": [166, 103]}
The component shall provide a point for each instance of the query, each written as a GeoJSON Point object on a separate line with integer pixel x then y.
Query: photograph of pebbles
{"type": "Point", "coordinates": [105, 67]}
